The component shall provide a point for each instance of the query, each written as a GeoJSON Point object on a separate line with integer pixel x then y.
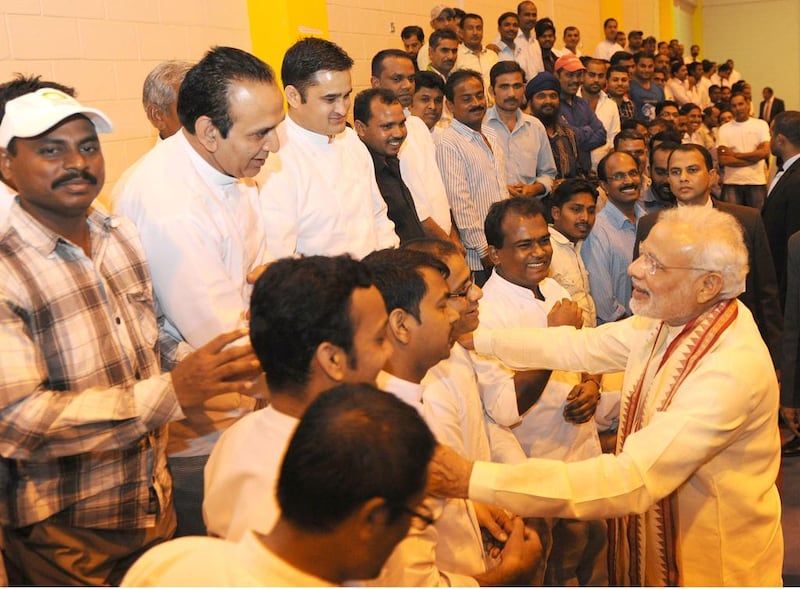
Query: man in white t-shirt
{"type": "Point", "coordinates": [743, 147]}
{"type": "Point", "coordinates": [608, 46]}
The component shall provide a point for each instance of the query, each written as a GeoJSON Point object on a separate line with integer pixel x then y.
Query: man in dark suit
{"type": "Point", "coordinates": [771, 106]}
{"type": "Point", "coordinates": [691, 175]}
{"type": "Point", "coordinates": [790, 379]}
{"type": "Point", "coordinates": [781, 212]}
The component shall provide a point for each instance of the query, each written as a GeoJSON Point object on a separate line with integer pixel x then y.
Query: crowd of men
{"type": "Point", "coordinates": [570, 272]}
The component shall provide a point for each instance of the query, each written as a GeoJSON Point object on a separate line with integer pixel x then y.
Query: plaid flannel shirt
{"type": "Point", "coordinates": [83, 402]}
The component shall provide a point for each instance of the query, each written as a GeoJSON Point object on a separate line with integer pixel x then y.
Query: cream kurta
{"type": "Point", "coordinates": [717, 445]}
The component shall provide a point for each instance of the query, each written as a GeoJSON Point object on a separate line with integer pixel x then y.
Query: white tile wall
{"type": "Point", "coordinates": [105, 48]}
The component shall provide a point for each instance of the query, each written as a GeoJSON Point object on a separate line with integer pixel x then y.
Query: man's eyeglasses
{"type": "Point", "coordinates": [419, 520]}
{"type": "Point", "coordinates": [653, 265]}
{"type": "Point", "coordinates": [464, 292]}
{"type": "Point", "coordinates": [620, 176]}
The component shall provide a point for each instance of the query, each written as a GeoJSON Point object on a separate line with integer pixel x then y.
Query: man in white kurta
{"type": "Point", "coordinates": [457, 388]}
{"type": "Point", "coordinates": [421, 174]}
{"type": "Point", "coordinates": [196, 209]}
{"type": "Point", "coordinates": [699, 447]}
{"type": "Point", "coordinates": [242, 471]}
{"type": "Point", "coordinates": [450, 551]}
{"type": "Point", "coordinates": [198, 561]}
{"type": "Point", "coordinates": [320, 195]}
{"type": "Point", "coordinates": [519, 294]}
{"type": "Point", "coordinates": [314, 542]}
{"type": "Point", "coordinates": [241, 474]}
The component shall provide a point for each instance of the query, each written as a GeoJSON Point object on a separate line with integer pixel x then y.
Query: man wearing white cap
{"type": "Point", "coordinates": [83, 400]}
{"type": "Point", "coordinates": [442, 17]}
{"type": "Point", "coordinates": [9, 90]}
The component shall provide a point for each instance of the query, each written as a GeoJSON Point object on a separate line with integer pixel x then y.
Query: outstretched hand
{"type": "Point", "coordinates": [214, 369]}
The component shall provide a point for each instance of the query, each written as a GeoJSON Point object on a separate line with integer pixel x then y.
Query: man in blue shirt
{"type": "Point", "coordinates": [608, 251]}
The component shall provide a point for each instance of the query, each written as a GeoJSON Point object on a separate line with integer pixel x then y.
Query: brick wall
{"type": "Point", "coordinates": [363, 27]}
{"type": "Point", "coordinates": [105, 48]}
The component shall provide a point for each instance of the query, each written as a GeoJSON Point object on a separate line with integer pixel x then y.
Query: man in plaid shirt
{"type": "Point", "coordinates": [83, 401]}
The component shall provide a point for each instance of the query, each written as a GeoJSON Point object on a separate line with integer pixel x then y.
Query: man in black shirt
{"type": "Point", "coordinates": [381, 125]}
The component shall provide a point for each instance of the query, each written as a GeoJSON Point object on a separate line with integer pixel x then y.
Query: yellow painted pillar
{"type": "Point", "coordinates": [612, 9]}
{"type": "Point", "coordinates": [697, 26]}
{"type": "Point", "coordinates": [666, 20]}
{"type": "Point", "coordinates": [275, 25]}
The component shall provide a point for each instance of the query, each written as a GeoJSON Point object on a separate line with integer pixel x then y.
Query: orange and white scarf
{"type": "Point", "coordinates": [627, 535]}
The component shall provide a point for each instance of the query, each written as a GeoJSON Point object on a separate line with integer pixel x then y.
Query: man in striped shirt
{"type": "Point", "coordinates": [83, 402]}
{"type": "Point", "coordinates": [473, 166]}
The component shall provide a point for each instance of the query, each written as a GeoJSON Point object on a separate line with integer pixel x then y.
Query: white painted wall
{"type": "Point", "coordinates": [763, 38]}
{"type": "Point", "coordinates": [105, 48]}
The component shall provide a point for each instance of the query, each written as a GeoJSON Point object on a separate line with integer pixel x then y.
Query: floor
{"type": "Point", "coordinates": [791, 521]}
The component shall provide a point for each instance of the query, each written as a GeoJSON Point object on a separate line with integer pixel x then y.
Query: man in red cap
{"type": "Point", "coordinates": [589, 131]}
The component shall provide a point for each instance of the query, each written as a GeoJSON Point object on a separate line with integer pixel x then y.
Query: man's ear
{"type": "Point", "coordinates": [398, 326]}
{"type": "Point", "coordinates": [371, 518]}
{"type": "Point", "coordinates": [293, 96]}
{"type": "Point", "coordinates": [495, 259]}
{"type": "Point", "coordinates": [5, 165]}
{"type": "Point", "coordinates": [374, 82]}
{"type": "Point", "coordinates": [332, 360]}
{"type": "Point", "coordinates": [207, 133]}
{"type": "Point", "coordinates": [156, 117]}
{"type": "Point", "coordinates": [713, 176]}
{"type": "Point", "coordinates": [360, 128]}
{"type": "Point", "coordinates": [710, 286]}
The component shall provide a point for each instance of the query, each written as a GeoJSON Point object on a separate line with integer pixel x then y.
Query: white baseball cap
{"type": "Point", "coordinates": [34, 113]}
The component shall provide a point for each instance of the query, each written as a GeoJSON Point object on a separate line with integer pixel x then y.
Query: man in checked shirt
{"type": "Point", "coordinates": [83, 401]}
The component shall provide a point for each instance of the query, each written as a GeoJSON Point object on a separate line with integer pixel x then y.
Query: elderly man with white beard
{"type": "Point", "coordinates": [698, 448]}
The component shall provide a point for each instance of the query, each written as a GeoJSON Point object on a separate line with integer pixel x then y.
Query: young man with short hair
{"type": "Point", "coordinates": [330, 531]}
{"type": "Point", "coordinates": [314, 322]}
{"type": "Point", "coordinates": [591, 90]}
{"type": "Point", "coordinates": [644, 93]}
{"type": "Point", "coordinates": [742, 147]}
{"type": "Point", "coordinates": [530, 168]}
{"type": "Point", "coordinates": [572, 208]}
{"type": "Point", "coordinates": [617, 87]}
{"type": "Point", "coordinates": [420, 328]}
{"type": "Point", "coordinates": [322, 162]}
